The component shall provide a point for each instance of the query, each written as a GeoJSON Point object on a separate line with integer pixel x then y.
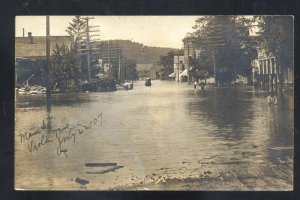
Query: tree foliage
{"type": "Point", "coordinates": [226, 45]}
{"type": "Point", "coordinates": [63, 66]}
{"type": "Point", "coordinates": [77, 29]}
{"type": "Point", "coordinates": [276, 37]}
{"type": "Point", "coordinates": [167, 63]}
{"type": "Point", "coordinates": [130, 71]}
{"type": "Point", "coordinates": [202, 66]}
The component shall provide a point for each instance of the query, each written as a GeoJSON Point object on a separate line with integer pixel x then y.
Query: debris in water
{"type": "Point", "coordinates": [161, 179]}
{"type": "Point", "coordinates": [100, 164]}
{"type": "Point", "coordinates": [210, 157]}
{"type": "Point", "coordinates": [81, 181]}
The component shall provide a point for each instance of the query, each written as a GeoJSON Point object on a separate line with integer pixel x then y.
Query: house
{"type": "Point", "coordinates": [30, 56]}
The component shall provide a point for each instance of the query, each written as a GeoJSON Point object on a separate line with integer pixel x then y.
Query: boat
{"type": "Point", "coordinates": [128, 86]}
{"type": "Point", "coordinates": [148, 82]}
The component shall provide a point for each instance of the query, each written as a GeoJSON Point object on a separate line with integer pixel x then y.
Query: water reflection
{"type": "Point", "coordinates": [151, 128]}
{"type": "Point", "coordinates": [229, 109]}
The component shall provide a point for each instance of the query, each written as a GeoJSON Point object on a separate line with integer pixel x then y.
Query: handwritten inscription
{"type": "Point", "coordinates": [38, 139]}
{"type": "Point", "coordinates": [26, 136]}
{"type": "Point", "coordinates": [43, 140]}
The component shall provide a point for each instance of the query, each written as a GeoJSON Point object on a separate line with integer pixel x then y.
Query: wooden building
{"type": "Point", "coordinates": [30, 56]}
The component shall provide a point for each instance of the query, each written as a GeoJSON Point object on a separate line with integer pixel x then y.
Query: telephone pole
{"type": "Point", "coordinates": [214, 41]}
{"type": "Point", "coordinates": [188, 63]}
{"type": "Point", "coordinates": [48, 89]}
{"type": "Point", "coordinates": [89, 49]}
{"type": "Point", "coordinates": [119, 74]}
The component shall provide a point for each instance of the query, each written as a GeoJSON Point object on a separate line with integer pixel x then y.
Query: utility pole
{"type": "Point", "coordinates": [178, 69]}
{"type": "Point", "coordinates": [119, 74]}
{"type": "Point", "coordinates": [88, 44]}
{"type": "Point", "coordinates": [111, 53]}
{"type": "Point", "coordinates": [188, 63]}
{"type": "Point", "coordinates": [108, 54]}
{"type": "Point", "coordinates": [88, 49]}
{"type": "Point", "coordinates": [48, 89]}
{"type": "Point", "coordinates": [213, 42]}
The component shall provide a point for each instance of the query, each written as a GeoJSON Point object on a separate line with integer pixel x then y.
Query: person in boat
{"type": "Point", "coordinates": [272, 99]}
{"type": "Point", "coordinates": [148, 82]}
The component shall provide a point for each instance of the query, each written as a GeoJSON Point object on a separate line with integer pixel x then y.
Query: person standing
{"type": "Point", "coordinates": [195, 84]}
{"type": "Point", "coordinates": [272, 99]}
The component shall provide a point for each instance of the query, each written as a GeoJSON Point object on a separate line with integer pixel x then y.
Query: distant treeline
{"type": "Point", "coordinates": [142, 54]}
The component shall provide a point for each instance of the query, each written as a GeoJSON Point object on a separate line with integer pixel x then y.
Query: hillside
{"type": "Point", "coordinates": [137, 51]}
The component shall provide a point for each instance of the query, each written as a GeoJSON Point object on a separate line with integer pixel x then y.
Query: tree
{"type": "Point", "coordinates": [202, 66]}
{"type": "Point", "coordinates": [63, 66]}
{"type": "Point", "coordinates": [77, 29]}
{"type": "Point", "coordinates": [226, 40]}
{"type": "Point", "coordinates": [167, 62]}
{"type": "Point", "coordinates": [276, 38]}
{"type": "Point", "coordinates": [130, 72]}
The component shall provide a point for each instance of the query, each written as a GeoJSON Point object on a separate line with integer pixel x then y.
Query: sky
{"type": "Point", "coordinates": [158, 31]}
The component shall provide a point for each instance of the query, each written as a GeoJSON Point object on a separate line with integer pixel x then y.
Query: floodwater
{"type": "Point", "coordinates": [164, 137]}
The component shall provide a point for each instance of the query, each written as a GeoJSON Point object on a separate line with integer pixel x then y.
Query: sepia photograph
{"type": "Point", "coordinates": [159, 103]}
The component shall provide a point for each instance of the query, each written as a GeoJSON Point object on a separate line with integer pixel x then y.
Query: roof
{"type": "Point", "coordinates": [38, 49]}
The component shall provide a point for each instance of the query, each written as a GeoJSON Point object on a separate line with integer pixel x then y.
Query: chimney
{"type": "Point", "coordinates": [23, 32]}
{"type": "Point", "coordinates": [30, 38]}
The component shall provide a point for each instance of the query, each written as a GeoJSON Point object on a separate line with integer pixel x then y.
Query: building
{"type": "Point", "coordinates": [267, 72]}
{"type": "Point", "coordinates": [180, 72]}
{"type": "Point", "coordinates": [30, 56]}
{"type": "Point", "coordinates": [191, 50]}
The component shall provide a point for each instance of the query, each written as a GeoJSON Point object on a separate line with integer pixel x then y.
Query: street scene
{"type": "Point", "coordinates": [108, 103]}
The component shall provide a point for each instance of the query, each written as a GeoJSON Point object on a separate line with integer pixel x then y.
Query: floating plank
{"type": "Point", "coordinates": [100, 164]}
{"type": "Point", "coordinates": [107, 170]}
{"type": "Point", "coordinates": [281, 148]}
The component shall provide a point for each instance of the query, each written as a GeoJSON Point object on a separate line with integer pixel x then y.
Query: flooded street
{"type": "Point", "coordinates": [164, 137]}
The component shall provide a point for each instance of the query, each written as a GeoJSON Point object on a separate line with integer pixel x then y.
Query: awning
{"type": "Point", "coordinates": [173, 75]}
{"type": "Point", "coordinates": [184, 73]}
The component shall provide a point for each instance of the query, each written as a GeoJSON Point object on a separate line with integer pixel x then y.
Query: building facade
{"type": "Point", "coordinates": [268, 73]}
{"type": "Point", "coordinates": [191, 50]}
{"type": "Point", "coordinates": [30, 56]}
{"type": "Point", "coordinates": [179, 72]}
